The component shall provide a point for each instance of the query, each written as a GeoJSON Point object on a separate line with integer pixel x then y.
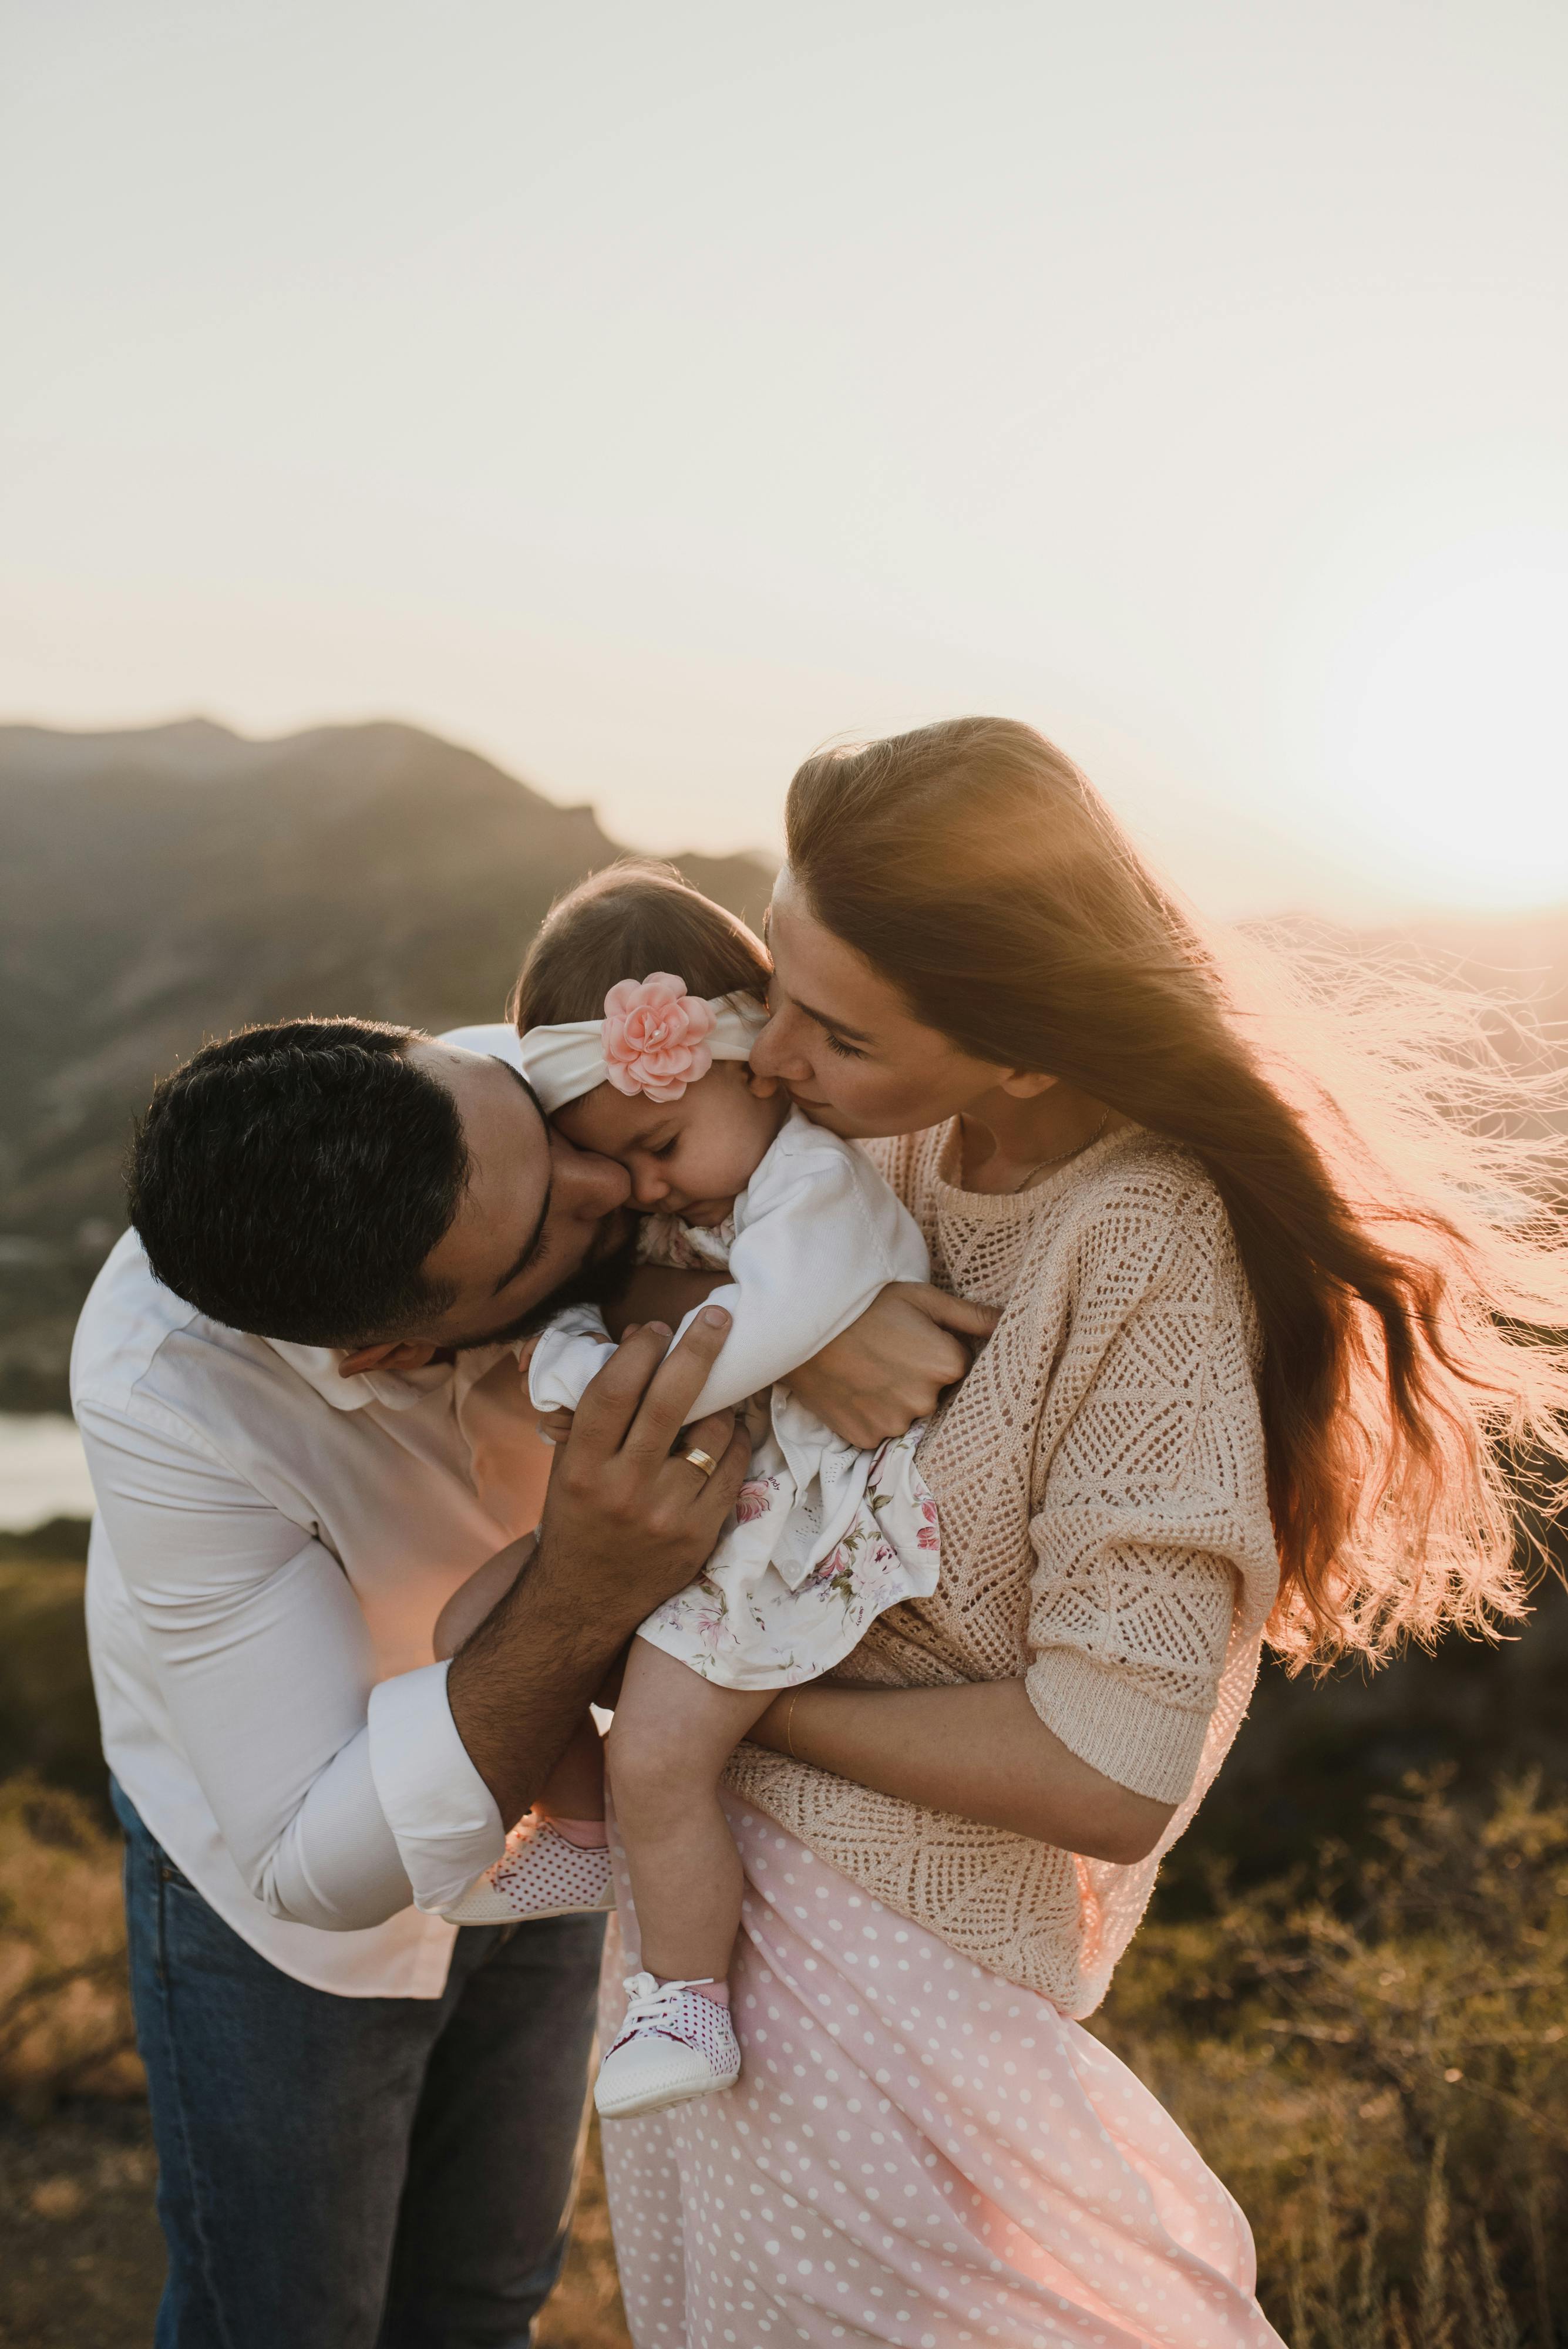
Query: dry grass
{"type": "Point", "coordinates": [1376, 2061]}
{"type": "Point", "coordinates": [65, 2009]}
{"type": "Point", "coordinates": [583, 2312]}
{"type": "Point", "coordinates": [1375, 2058]}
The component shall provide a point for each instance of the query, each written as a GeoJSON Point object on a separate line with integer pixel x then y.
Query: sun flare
{"type": "Point", "coordinates": [1447, 728]}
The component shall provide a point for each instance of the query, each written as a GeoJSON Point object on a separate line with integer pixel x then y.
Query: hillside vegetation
{"type": "Point", "coordinates": [165, 886]}
{"type": "Point", "coordinates": [1373, 2057]}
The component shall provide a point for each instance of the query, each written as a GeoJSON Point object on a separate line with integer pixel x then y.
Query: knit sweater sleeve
{"type": "Point", "coordinates": [1149, 1518]}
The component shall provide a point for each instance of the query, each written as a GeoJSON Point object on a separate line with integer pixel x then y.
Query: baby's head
{"type": "Point", "coordinates": [632, 933]}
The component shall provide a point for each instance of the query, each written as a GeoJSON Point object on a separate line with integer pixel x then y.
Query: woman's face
{"type": "Point", "coordinates": [842, 1038]}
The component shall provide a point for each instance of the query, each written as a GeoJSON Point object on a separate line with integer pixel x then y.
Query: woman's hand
{"type": "Point", "coordinates": [890, 1367]}
{"type": "Point", "coordinates": [980, 1750]}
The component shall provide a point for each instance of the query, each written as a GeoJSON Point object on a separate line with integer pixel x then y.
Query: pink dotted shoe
{"type": "Point", "coordinates": [540, 1874]}
{"type": "Point", "coordinates": [674, 2043]}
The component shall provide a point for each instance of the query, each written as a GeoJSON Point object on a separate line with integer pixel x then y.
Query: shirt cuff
{"type": "Point", "coordinates": [442, 1814]}
{"type": "Point", "coordinates": [1150, 1748]}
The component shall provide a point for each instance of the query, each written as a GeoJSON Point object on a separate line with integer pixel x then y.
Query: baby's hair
{"type": "Point", "coordinates": [626, 922]}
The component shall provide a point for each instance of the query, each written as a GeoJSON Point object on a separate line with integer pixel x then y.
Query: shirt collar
{"type": "Point", "coordinates": [397, 1390]}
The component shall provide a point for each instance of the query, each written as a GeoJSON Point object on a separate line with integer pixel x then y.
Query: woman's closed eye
{"type": "Point", "coordinates": [837, 1044]}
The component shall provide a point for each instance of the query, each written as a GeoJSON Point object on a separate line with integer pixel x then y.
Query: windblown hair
{"type": "Point", "coordinates": [291, 1179]}
{"type": "Point", "coordinates": [634, 917]}
{"type": "Point", "coordinates": [1395, 1184]}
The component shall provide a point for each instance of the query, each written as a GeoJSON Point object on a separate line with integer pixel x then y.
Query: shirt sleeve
{"type": "Point", "coordinates": [823, 1235]}
{"type": "Point", "coordinates": [1148, 1505]}
{"type": "Point", "coordinates": [339, 1801]}
{"type": "Point", "coordinates": [570, 1352]}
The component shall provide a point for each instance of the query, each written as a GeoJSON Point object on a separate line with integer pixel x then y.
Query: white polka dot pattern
{"type": "Point", "coordinates": [917, 2152]}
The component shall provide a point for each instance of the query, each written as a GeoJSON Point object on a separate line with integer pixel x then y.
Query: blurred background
{"type": "Point", "coordinates": [442, 448]}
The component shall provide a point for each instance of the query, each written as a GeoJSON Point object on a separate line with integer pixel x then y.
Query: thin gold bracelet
{"type": "Point", "coordinates": [789, 1726]}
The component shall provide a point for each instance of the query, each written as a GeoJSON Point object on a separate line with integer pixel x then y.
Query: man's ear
{"type": "Point", "coordinates": [405, 1354]}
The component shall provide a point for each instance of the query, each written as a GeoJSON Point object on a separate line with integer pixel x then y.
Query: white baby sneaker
{"type": "Point", "coordinates": [540, 1874]}
{"type": "Point", "coordinates": [673, 2043]}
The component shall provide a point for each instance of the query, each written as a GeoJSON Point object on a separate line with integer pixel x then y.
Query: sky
{"type": "Point", "coordinates": [645, 396]}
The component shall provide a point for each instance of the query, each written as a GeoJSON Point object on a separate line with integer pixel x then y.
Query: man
{"type": "Point", "coordinates": [306, 1427]}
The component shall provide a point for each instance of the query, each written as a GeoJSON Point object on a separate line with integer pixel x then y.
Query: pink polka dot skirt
{"type": "Point", "coordinates": [916, 2152]}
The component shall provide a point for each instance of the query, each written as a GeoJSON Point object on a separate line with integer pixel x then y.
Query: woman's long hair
{"type": "Point", "coordinates": [1392, 1171]}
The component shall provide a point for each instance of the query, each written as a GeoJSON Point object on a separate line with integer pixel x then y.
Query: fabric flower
{"type": "Point", "coordinates": [653, 1033]}
{"type": "Point", "coordinates": [751, 1500]}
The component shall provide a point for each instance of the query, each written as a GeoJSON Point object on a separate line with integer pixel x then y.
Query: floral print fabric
{"type": "Point", "coordinates": [743, 1623]}
{"type": "Point", "coordinates": [824, 1538]}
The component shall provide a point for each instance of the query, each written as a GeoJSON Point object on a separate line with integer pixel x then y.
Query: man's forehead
{"type": "Point", "coordinates": [509, 1153]}
{"type": "Point", "coordinates": [478, 1080]}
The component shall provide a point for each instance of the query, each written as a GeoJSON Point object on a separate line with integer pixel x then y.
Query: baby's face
{"type": "Point", "coordinates": [686, 1158]}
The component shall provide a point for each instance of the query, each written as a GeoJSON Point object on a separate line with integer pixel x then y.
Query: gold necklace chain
{"type": "Point", "coordinates": [1060, 1159]}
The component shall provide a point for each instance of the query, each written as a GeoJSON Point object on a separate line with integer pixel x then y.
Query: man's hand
{"type": "Point", "coordinates": [889, 1369]}
{"type": "Point", "coordinates": [625, 1526]}
{"type": "Point", "coordinates": [619, 1507]}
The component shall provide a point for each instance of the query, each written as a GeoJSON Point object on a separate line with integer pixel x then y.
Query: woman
{"type": "Point", "coordinates": [1254, 1368]}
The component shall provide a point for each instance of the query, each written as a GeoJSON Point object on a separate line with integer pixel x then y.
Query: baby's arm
{"type": "Point", "coordinates": [567, 1356]}
{"type": "Point", "coordinates": [822, 1236]}
{"type": "Point", "coordinates": [471, 1601]}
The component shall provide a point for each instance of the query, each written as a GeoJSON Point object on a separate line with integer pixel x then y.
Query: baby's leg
{"type": "Point", "coordinates": [672, 1733]}
{"type": "Point", "coordinates": [472, 1600]}
{"type": "Point", "coordinates": [557, 1862]}
{"type": "Point", "coordinates": [573, 1797]}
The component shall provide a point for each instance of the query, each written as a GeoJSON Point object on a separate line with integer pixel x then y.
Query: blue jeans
{"type": "Point", "coordinates": [356, 2173]}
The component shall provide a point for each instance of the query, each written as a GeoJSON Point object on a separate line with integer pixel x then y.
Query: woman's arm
{"type": "Point", "coordinates": [891, 1367]}
{"type": "Point", "coordinates": [980, 1750]}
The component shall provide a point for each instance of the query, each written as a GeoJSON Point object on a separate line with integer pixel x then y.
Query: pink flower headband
{"type": "Point", "coordinates": [654, 1038]}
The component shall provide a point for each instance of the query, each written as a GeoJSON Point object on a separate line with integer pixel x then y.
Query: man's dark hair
{"type": "Point", "coordinates": [292, 1180]}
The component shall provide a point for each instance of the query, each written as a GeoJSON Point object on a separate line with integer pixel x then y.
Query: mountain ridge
{"type": "Point", "coordinates": [164, 884]}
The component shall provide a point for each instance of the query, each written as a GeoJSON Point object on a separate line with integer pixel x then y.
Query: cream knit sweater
{"type": "Point", "coordinates": [1105, 1536]}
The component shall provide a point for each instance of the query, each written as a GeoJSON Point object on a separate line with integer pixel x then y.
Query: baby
{"type": "Point", "coordinates": [638, 1009]}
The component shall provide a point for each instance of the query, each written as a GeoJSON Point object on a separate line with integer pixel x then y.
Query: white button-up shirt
{"type": "Point", "coordinates": [273, 1545]}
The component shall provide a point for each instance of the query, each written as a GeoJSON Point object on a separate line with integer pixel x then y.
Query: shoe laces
{"type": "Point", "coordinates": [651, 2001]}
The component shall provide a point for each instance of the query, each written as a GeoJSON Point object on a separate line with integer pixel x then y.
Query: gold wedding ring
{"type": "Point", "coordinates": [703, 1460]}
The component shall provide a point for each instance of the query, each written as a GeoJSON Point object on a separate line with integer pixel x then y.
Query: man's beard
{"type": "Point", "coordinates": [596, 1283]}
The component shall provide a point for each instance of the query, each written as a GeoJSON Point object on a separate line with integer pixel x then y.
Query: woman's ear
{"type": "Point", "coordinates": [406, 1354]}
{"type": "Point", "coordinates": [1027, 1084]}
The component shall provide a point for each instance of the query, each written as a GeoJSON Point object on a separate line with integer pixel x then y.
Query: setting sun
{"type": "Point", "coordinates": [1446, 739]}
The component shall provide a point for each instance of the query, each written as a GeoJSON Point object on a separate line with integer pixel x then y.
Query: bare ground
{"type": "Point", "coordinates": [81, 2260]}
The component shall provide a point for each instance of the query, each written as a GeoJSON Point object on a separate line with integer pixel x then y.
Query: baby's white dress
{"type": "Point", "coordinates": [824, 1538]}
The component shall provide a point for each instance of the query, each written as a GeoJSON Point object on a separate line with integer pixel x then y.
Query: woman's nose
{"type": "Point", "coordinates": [777, 1051]}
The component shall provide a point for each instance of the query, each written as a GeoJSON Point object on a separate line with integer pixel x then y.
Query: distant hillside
{"type": "Point", "coordinates": [168, 885]}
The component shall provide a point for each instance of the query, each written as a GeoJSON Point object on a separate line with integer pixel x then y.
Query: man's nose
{"type": "Point", "coordinates": [647, 1187]}
{"type": "Point", "coordinates": [594, 1185]}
